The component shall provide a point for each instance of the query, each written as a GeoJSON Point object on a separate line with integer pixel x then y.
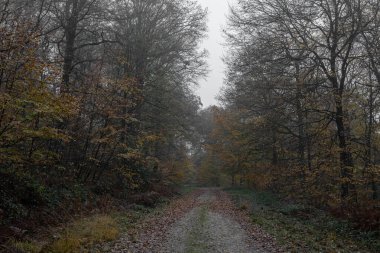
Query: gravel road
{"type": "Point", "coordinates": [202, 230]}
{"type": "Point", "coordinates": [204, 222]}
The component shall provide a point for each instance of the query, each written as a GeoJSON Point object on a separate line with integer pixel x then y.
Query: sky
{"type": "Point", "coordinates": [210, 87]}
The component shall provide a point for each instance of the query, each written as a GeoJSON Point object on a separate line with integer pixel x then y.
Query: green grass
{"type": "Point", "coordinates": [186, 189]}
{"type": "Point", "coordinates": [302, 228]}
{"type": "Point", "coordinates": [127, 220]}
{"type": "Point", "coordinates": [195, 242]}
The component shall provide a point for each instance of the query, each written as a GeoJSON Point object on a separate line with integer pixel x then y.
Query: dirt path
{"type": "Point", "coordinates": [204, 221]}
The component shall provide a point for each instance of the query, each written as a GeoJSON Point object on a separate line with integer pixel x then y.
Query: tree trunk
{"type": "Point", "coordinates": [274, 149]}
{"type": "Point", "coordinates": [346, 161]}
{"type": "Point", "coordinates": [71, 16]}
{"type": "Point", "coordinates": [300, 118]}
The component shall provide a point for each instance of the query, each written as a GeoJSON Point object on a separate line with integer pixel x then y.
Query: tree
{"type": "Point", "coordinates": [304, 70]}
{"type": "Point", "coordinates": [97, 95]}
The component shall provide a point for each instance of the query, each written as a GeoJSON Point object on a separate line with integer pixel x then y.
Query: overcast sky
{"type": "Point", "coordinates": [209, 88]}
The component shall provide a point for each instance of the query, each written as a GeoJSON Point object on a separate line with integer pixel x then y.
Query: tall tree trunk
{"type": "Point", "coordinates": [300, 117]}
{"type": "Point", "coordinates": [346, 161]}
{"type": "Point", "coordinates": [375, 70]}
{"type": "Point", "coordinates": [274, 148]}
{"type": "Point", "coordinates": [71, 16]}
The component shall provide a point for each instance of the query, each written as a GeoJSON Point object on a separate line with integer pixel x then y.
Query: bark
{"type": "Point", "coordinates": [274, 148]}
{"type": "Point", "coordinates": [300, 118]}
{"type": "Point", "coordinates": [71, 16]}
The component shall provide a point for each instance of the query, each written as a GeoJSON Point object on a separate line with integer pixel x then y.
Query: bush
{"type": "Point", "coordinates": [19, 192]}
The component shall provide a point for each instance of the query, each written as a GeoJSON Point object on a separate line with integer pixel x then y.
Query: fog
{"type": "Point", "coordinates": [211, 85]}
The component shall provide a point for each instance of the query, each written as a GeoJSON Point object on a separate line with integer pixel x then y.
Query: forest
{"type": "Point", "coordinates": [96, 98]}
{"type": "Point", "coordinates": [99, 111]}
{"type": "Point", "coordinates": [302, 102]}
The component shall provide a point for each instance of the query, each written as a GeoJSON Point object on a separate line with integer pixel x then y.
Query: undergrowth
{"type": "Point", "coordinates": [82, 234]}
{"type": "Point", "coordinates": [301, 228]}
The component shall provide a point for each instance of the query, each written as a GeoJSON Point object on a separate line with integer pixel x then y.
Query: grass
{"type": "Point", "coordinates": [302, 228]}
{"type": "Point", "coordinates": [82, 234]}
{"type": "Point", "coordinates": [85, 233]}
{"type": "Point", "coordinates": [76, 237]}
{"type": "Point", "coordinates": [186, 189]}
{"type": "Point", "coordinates": [195, 243]}
{"type": "Point", "coordinates": [127, 220]}
{"type": "Point", "coordinates": [29, 247]}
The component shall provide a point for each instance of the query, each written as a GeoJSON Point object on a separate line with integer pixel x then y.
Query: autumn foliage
{"type": "Point", "coordinates": [92, 98]}
{"type": "Point", "coordinates": [300, 104]}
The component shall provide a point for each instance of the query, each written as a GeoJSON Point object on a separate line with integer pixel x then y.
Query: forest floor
{"type": "Point", "coordinates": [302, 228]}
{"type": "Point", "coordinates": [211, 220]}
{"type": "Point", "coordinates": [206, 220]}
